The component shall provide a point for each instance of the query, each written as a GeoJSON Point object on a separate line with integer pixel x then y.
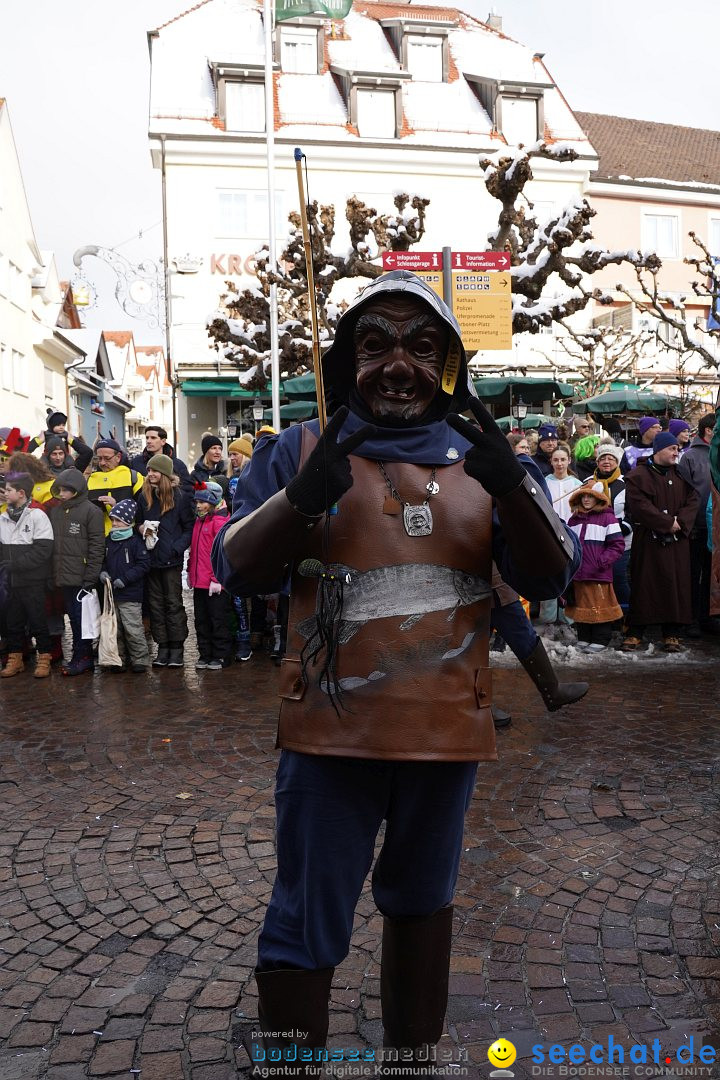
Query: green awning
{"type": "Point", "coordinates": [295, 410]}
{"type": "Point", "coordinates": [227, 388]}
{"type": "Point", "coordinates": [498, 391]}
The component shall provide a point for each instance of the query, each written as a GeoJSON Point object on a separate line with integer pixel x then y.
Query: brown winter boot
{"type": "Point", "coordinates": [42, 665]}
{"type": "Point", "coordinates": [14, 665]}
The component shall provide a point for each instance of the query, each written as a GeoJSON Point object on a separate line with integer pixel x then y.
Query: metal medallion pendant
{"type": "Point", "coordinates": [418, 520]}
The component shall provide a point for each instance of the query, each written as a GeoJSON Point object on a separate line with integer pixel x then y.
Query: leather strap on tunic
{"type": "Point", "coordinates": [413, 658]}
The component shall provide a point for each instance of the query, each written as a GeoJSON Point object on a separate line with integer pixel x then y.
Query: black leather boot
{"type": "Point", "coordinates": [555, 694]}
{"type": "Point", "coordinates": [414, 976]}
{"type": "Point", "coordinates": [163, 655]}
{"type": "Point", "coordinates": [293, 1014]}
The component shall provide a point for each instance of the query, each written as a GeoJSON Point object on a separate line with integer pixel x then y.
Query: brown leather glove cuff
{"type": "Point", "coordinates": [539, 540]}
{"type": "Point", "coordinates": [261, 545]}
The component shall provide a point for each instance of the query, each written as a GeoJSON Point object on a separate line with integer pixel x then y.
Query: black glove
{"type": "Point", "coordinates": [326, 475]}
{"type": "Point", "coordinates": [491, 460]}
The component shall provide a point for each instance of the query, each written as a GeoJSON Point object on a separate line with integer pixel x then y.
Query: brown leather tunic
{"type": "Point", "coordinates": [414, 659]}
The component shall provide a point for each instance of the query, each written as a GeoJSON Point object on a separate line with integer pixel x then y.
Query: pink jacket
{"type": "Point", "coordinates": [200, 573]}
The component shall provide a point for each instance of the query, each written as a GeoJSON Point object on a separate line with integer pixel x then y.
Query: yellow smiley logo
{"type": "Point", "coordinates": [502, 1053]}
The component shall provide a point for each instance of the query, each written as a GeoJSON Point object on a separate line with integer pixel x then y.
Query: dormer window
{"type": "Point", "coordinates": [421, 45]}
{"type": "Point", "coordinates": [376, 113]}
{"type": "Point", "coordinates": [373, 100]}
{"type": "Point", "coordinates": [299, 50]}
{"type": "Point", "coordinates": [240, 92]}
{"type": "Point", "coordinates": [518, 119]}
{"type": "Point", "coordinates": [515, 109]}
{"type": "Point", "coordinates": [424, 57]}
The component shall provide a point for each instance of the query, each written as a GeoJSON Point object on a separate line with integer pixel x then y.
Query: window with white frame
{"type": "Point", "coordinates": [244, 106]}
{"type": "Point", "coordinates": [244, 214]}
{"type": "Point", "coordinates": [425, 57]}
{"type": "Point", "coordinates": [714, 236]}
{"type": "Point", "coordinates": [49, 383]}
{"type": "Point", "coordinates": [299, 50]}
{"type": "Point", "coordinates": [519, 120]}
{"type": "Point", "coordinates": [4, 275]}
{"type": "Point", "coordinates": [376, 114]}
{"type": "Point", "coordinates": [20, 373]}
{"type": "Point", "coordinates": [661, 234]}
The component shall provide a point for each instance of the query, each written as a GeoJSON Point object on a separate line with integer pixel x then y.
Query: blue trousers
{"type": "Point", "coordinates": [329, 812]}
{"type": "Point", "coordinates": [513, 625]}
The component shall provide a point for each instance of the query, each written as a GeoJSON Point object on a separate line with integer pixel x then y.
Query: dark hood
{"type": "Point", "coordinates": [73, 479]}
{"type": "Point", "coordinates": [338, 365]}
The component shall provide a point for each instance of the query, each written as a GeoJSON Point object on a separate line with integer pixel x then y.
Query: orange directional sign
{"type": "Point", "coordinates": [482, 303]}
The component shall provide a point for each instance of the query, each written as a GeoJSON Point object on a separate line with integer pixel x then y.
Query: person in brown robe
{"type": "Point", "coordinates": [662, 507]}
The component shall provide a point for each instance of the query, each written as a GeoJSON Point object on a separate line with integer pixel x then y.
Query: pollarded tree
{"type": "Point", "coordinates": [241, 325]}
{"type": "Point", "coordinates": [554, 258]}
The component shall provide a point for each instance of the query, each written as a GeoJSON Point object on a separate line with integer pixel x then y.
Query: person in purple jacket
{"type": "Point", "coordinates": [595, 607]}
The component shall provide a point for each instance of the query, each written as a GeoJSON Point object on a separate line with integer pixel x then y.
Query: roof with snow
{"type": "Point", "coordinates": [315, 107]}
{"type": "Point", "coordinates": [648, 152]}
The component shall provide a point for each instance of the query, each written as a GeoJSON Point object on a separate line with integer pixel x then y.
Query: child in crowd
{"type": "Point", "coordinates": [26, 546]}
{"type": "Point", "coordinates": [595, 607]}
{"type": "Point", "coordinates": [239, 453]}
{"type": "Point", "coordinates": [127, 562]}
{"type": "Point", "coordinates": [79, 531]}
{"type": "Point", "coordinates": [561, 482]}
{"type": "Point", "coordinates": [212, 604]}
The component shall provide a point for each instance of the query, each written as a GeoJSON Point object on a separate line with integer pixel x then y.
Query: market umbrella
{"type": "Point", "coordinates": [301, 386]}
{"type": "Point", "coordinates": [532, 420]}
{"type": "Point", "coordinates": [643, 402]}
{"type": "Point", "coordinates": [295, 410]}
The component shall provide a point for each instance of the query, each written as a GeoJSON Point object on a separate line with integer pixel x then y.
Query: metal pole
{"type": "Point", "coordinates": [272, 262]}
{"type": "Point", "coordinates": [166, 264]}
{"type": "Point", "coordinates": [447, 276]}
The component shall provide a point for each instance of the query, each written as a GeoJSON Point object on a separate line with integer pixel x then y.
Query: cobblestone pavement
{"type": "Point", "coordinates": [136, 859]}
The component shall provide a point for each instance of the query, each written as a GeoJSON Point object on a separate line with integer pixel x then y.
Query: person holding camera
{"type": "Point", "coordinates": [662, 507]}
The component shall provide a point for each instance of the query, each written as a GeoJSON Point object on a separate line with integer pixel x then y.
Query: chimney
{"type": "Point", "coordinates": [494, 21]}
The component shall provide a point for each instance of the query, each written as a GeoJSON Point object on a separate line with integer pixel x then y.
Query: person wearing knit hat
{"type": "Point", "coordinates": [124, 511]}
{"type": "Point", "coordinates": [211, 463]}
{"type": "Point", "coordinates": [126, 566]}
{"type": "Point", "coordinates": [594, 607]}
{"type": "Point", "coordinates": [242, 447]}
{"type": "Point", "coordinates": [607, 471]}
{"type": "Point", "coordinates": [165, 521]}
{"type": "Point", "coordinates": [648, 428]}
{"type": "Point", "coordinates": [161, 463]}
{"type": "Point", "coordinates": [663, 440]}
{"type": "Point", "coordinates": [266, 429]}
{"type": "Point", "coordinates": [547, 442]}
{"type": "Point", "coordinates": [662, 506]}
{"type": "Point", "coordinates": [681, 428]}
{"type": "Point", "coordinates": [212, 605]}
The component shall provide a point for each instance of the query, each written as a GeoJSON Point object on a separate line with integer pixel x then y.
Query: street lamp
{"type": "Point", "coordinates": [258, 412]}
{"type": "Point", "coordinates": [519, 411]}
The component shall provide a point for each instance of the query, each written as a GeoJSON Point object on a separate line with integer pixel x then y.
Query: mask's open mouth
{"type": "Point", "coordinates": [396, 393]}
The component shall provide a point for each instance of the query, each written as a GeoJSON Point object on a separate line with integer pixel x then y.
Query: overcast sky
{"type": "Point", "coordinates": [76, 84]}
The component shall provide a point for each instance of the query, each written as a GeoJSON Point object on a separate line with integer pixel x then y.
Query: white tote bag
{"type": "Point", "coordinates": [108, 655]}
{"type": "Point", "coordinates": [90, 625]}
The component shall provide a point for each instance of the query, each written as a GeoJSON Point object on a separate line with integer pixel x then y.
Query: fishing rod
{"type": "Point", "coordinates": [312, 300]}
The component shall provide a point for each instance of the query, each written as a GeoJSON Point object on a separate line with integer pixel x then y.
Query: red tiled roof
{"type": "Point", "coordinates": [642, 149]}
{"type": "Point", "coordinates": [118, 337]}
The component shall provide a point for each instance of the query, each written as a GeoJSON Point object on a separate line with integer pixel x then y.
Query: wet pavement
{"type": "Point", "coordinates": [137, 856]}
